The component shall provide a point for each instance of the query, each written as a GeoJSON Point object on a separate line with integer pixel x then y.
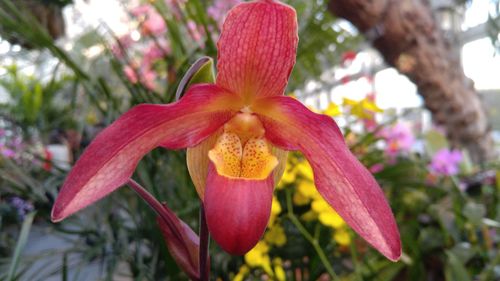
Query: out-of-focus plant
{"type": "Point", "coordinates": [38, 106]}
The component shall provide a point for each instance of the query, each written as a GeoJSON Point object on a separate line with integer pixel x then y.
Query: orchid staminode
{"type": "Point", "coordinates": [237, 132]}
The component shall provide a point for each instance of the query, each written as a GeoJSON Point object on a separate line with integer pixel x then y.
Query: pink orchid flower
{"type": "Point", "coordinates": [237, 132]}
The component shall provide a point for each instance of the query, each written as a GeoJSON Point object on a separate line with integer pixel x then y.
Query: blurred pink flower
{"type": "Point", "coordinates": [154, 52]}
{"type": "Point", "coordinates": [124, 42]}
{"type": "Point", "coordinates": [376, 168]}
{"type": "Point", "coordinates": [148, 78]}
{"type": "Point", "coordinates": [130, 74]}
{"type": "Point", "coordinates": [445, 162]}
{"type": "Point", "coordinates": [7, 152]}
{"type": "Point", "coordinates": [399, 139]}
{"type": "Point", "coordinates": [219, 9]}
{"type": "Point", "coordinates": [196, 34]}
{"type": "Point", "coordinates": [153, 23]}
{"type": "Point", "coordinates": [141, 10]}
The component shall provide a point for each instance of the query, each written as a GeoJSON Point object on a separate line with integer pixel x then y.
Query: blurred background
{"type": "Point", "coordinates": [414, 86]}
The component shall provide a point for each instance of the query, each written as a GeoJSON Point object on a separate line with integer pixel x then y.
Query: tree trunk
{"type": "Point", "coordinates": [409, 38]}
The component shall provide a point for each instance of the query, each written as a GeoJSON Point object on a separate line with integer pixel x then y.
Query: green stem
{"type": "Point", "coordinates": [355, 261]}
{"type": "Point", "coordinates": [314, 242]}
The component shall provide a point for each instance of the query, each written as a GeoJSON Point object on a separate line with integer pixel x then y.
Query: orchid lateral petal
{"type": "Point", "coordinates": [111, 158]}
{"type": "Point", "coordinates": [257, 48]}
{"type": "Point", "coordinates": [339, 177]}
{"type": "Point", "coordinates": [237, 210]}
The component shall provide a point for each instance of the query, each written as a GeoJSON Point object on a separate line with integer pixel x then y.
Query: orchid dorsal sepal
{"type": "Point", "coordinates": [201, 71]}
{"type": "Point", "coordinates": [182, 242]}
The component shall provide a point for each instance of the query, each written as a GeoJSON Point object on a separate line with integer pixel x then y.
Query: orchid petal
{"type": "Point", "coordinates": [339, 177]}
{"type": "Point", "coordinates": [237, 210]}
{"type": "Point", "coordinates": [257, 49]}
{"type": "Point", "coordinates": [113, 155]}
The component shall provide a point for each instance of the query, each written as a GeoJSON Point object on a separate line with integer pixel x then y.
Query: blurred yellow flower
{"type": "Point", "coordinates": [275, 236]}
{"type": "Point", "coordinates": [275, 211]}
{"type": "Point", "coordinates": [363, 109]}
{"type": "Point", "coordinates": [342, 237]}
{"type": "Point", "coordinates": [332, 110]}
{"type": "Point", "coordinates": [327, 216]}
{"type": "Point", "coordinates": [279, 272]}
{"type": "Point", "coordinates": [306, 191]}
{"type": "Point", "coordinates": [349, 102]}
{"type": "Point", "coordinates": [300, 200]}
{"type": "Point", "coordinates": [305, 170]}
{"type": "Point", "coordinates": [244, 270]}
{"type": "Point", "coordinates": [289, 176]}
{"type": "Point", "coordinates": [258, 257]}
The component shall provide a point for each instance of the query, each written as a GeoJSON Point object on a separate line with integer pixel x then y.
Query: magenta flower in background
{"type": "Point", "coordinates": [153, 23]}
{"type": "Point", "coordinates": [130, 74]}
{"type": "Point", "coordinates": [196, 32]}
{"type": "Point", "coordinates": [7, 152]}
{"type": "Point", "coordinates": [445, 162]}
{"type": "Point", "coordinates": [153, 53]}
{"type": "Point", "coordinates": [124, 42]}
{"type": "Point", "coordinates": [399, 139]}
{"type": "Point", "coordinates": [141, 10]}
{"type": "Point", "coordinates": [376, 168]}
{"type": "Point", "coordinates": [148, 78]}
{"type": "Point", "coordinates": [219, 9]}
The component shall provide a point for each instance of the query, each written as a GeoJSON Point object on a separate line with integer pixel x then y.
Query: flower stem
{"type": "Point", "coordinates": [204, 241]}
{"type": "Point", "coordinates": [314, 242]}
{"type": "Point", "coordinates": [355, 261]}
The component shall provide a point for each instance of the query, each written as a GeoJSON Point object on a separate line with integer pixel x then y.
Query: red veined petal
{"type": "Point", "coordinates": [111, 158]}
{"type": "Point", "coordinates": [339, 177]}
{"type": "Point", "coordinates": [237, 210]}
{"type": "Point", "coordinates": [257, 49]}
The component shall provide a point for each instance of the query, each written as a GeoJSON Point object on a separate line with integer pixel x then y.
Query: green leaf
{"type": "Point", "coordinates": [37, 100]}
{"type": "Point", "coordinates": [455, 270]}
{"type": "Point", "coordinates": [390, 272]}
{"type": "Point", "coordinates": [21, 243]}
